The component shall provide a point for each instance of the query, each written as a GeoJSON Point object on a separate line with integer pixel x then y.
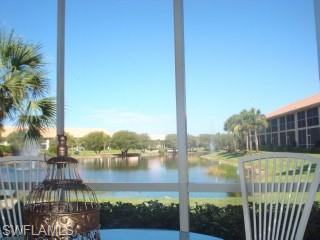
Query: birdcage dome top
{"type": "Point", "coordinates": [62, 199]}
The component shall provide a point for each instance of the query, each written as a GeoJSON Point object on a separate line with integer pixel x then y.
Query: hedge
{"type": "Point", "coordinates": [4, 150]}
{"type": "Point", "coordinates": [271, 148]}
{"type": "Point", "coordinates": [225, 222]}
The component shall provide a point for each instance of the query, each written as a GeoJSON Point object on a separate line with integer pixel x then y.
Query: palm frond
{"type": "Point", "coordinates": [23, 86]}
{"type": "Point", "coordinates": [1, 128]}
{"type": "Point", "coordinates": [26, 61]}
{"type": "Point", "coordinates": [37, 117]}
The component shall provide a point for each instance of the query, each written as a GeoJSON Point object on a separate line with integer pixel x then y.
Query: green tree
{"type": "Point", "coordinates": [1, 131]}
{"type": "Point", "coordinates": [192, 142]}
{"type": "Point", "coordinates": [170, 141]}
{"type": "Point", "coordinates": [53, 143]}
{"type": "Point", "coordinates": [246, 125]}
{"type": "Point", "coordinates": [234, 125]}
{"type": "Point", "coordinates": [71, 140]}
{"type": "Point", "coordinates": [157, 144]}
{"type": "Point", "coordinates": [205, 141]}
{"type": "Point", "coordinates": [125, 140]}
{"type": "Point", "coordinates": [95, 141]}
{"type": "Point", "coordinates": [260, 122]}
{"type": "Point", "coordinates": [252, 121]}
{"type": "Point", "coordinates": [16, 141]}
{"type": "Point", "coordinates": [222, 141]}
{"type": "Point", "coordinates": [24, 87]}
{"type": "Point", "coordinates": [144, 141]}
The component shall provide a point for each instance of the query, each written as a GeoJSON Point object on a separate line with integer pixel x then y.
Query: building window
{"type": "Point", "coordinates": [282, 123]}
{"type": "Point", "coordinates": [313, 136]}
{"type": "Point", "coordinates": [291, 139]}
{"type": "Point", "coordinates": [268, 139]}
{"type": "Point", "coordinates": [282, 139]}
{"type": "Point", "coordinates": [290, 121]}
{"type": "Point", "coordinates": [261, 131]}
{"type": "Point", "coordinates": [274, 125]}
{"type": "Point", "coordinates": [312, 117]}
{"type": "Point", "coordinates": [301, 119]}
{"type": "Point", "coordinates": [275, 139]}
{"type": "Point", "coordinates": [302, 138]}
{"type": "Point", "coordinates": [269, 126]}
{"type": "Point", "coordinates": [262, 140]}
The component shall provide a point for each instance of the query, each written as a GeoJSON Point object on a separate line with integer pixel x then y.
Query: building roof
{"type": "Point", "coordinates": [76, 132]}
{"type": "Point", "coordinates": [292, 107]}
{"type": "Point", "coordinates": [51, 132]}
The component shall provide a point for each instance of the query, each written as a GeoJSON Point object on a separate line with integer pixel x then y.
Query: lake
{"type": "Point", "coordinates": [153, 169]}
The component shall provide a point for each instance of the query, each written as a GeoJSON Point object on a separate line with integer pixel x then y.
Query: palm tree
{"type": "Point", "coordinates": [260, 122]}
{"type": "Point", "coordinates": [24, 87]}
{"type": "Point", "coordinates": [244, 125]}
{"type": "Point", "coordinates": [246, 128]}
{"type": "Point", "coordinates": [233, 125]}
{"type": "Point", "coordinates": [252, 122]}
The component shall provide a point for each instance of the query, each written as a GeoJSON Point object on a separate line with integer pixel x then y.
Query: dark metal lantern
{"type": "Point", "coordinates": [62, 206]}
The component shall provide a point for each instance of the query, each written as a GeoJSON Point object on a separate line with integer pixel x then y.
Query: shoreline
{"type": "Point", "coordinates": [101, 155]}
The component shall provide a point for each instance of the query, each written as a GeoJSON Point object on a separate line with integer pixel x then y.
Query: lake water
{"type": "Point", "coordinates": [155, 169]}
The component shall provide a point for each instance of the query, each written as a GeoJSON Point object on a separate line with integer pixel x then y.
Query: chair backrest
{"type": "Point", "coordinates": [278, 190]}
{"type": "Point", "coordinates": [18, 175]}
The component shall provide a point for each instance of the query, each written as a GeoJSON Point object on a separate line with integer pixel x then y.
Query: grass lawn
{"type": "Point", "coordinates": [222, 163]}
{"type": "Point", "coordinates": [232, 158]}
{"type": "Point", "coordinates": [220, 202]}
{"type": "Point", "coordinates": [229, 158]}
{"type": "Point", "coordinates": [316, 155]}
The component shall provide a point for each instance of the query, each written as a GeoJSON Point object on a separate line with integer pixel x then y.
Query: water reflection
{"type": "Point", "coordinates": [154, 169]}
{"type": "Point", "coordinates": [168, 161]}
{"type": "Point", "coordinates": [129, 163]}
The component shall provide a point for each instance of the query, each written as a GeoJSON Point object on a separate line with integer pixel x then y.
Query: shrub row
{"type": "Point", "coordinates": [225, 222]}
{"type": "Point", "coordinates": [271, 148]}
{"type": "Point", "coordinates": [5, 150]}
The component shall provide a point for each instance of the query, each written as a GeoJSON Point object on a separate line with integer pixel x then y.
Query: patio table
{"type": "Point", "coordinates": [151, 234]}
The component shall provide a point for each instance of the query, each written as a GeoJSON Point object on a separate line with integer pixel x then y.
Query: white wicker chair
{"type": "Point", "coordinates": [278, 190]}
{"type": "Point", "coordinates": [18, 175]}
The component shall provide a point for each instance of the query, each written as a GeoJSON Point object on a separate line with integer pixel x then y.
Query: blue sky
{"type": "Point", "coordinates": [120, 62]}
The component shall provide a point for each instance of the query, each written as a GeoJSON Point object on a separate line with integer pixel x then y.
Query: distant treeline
{"type": "Point", "coordinates": [125, 140]}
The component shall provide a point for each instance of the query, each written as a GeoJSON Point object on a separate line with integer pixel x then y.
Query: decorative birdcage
{"type": "Point", "coordinates": [62, 206]}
